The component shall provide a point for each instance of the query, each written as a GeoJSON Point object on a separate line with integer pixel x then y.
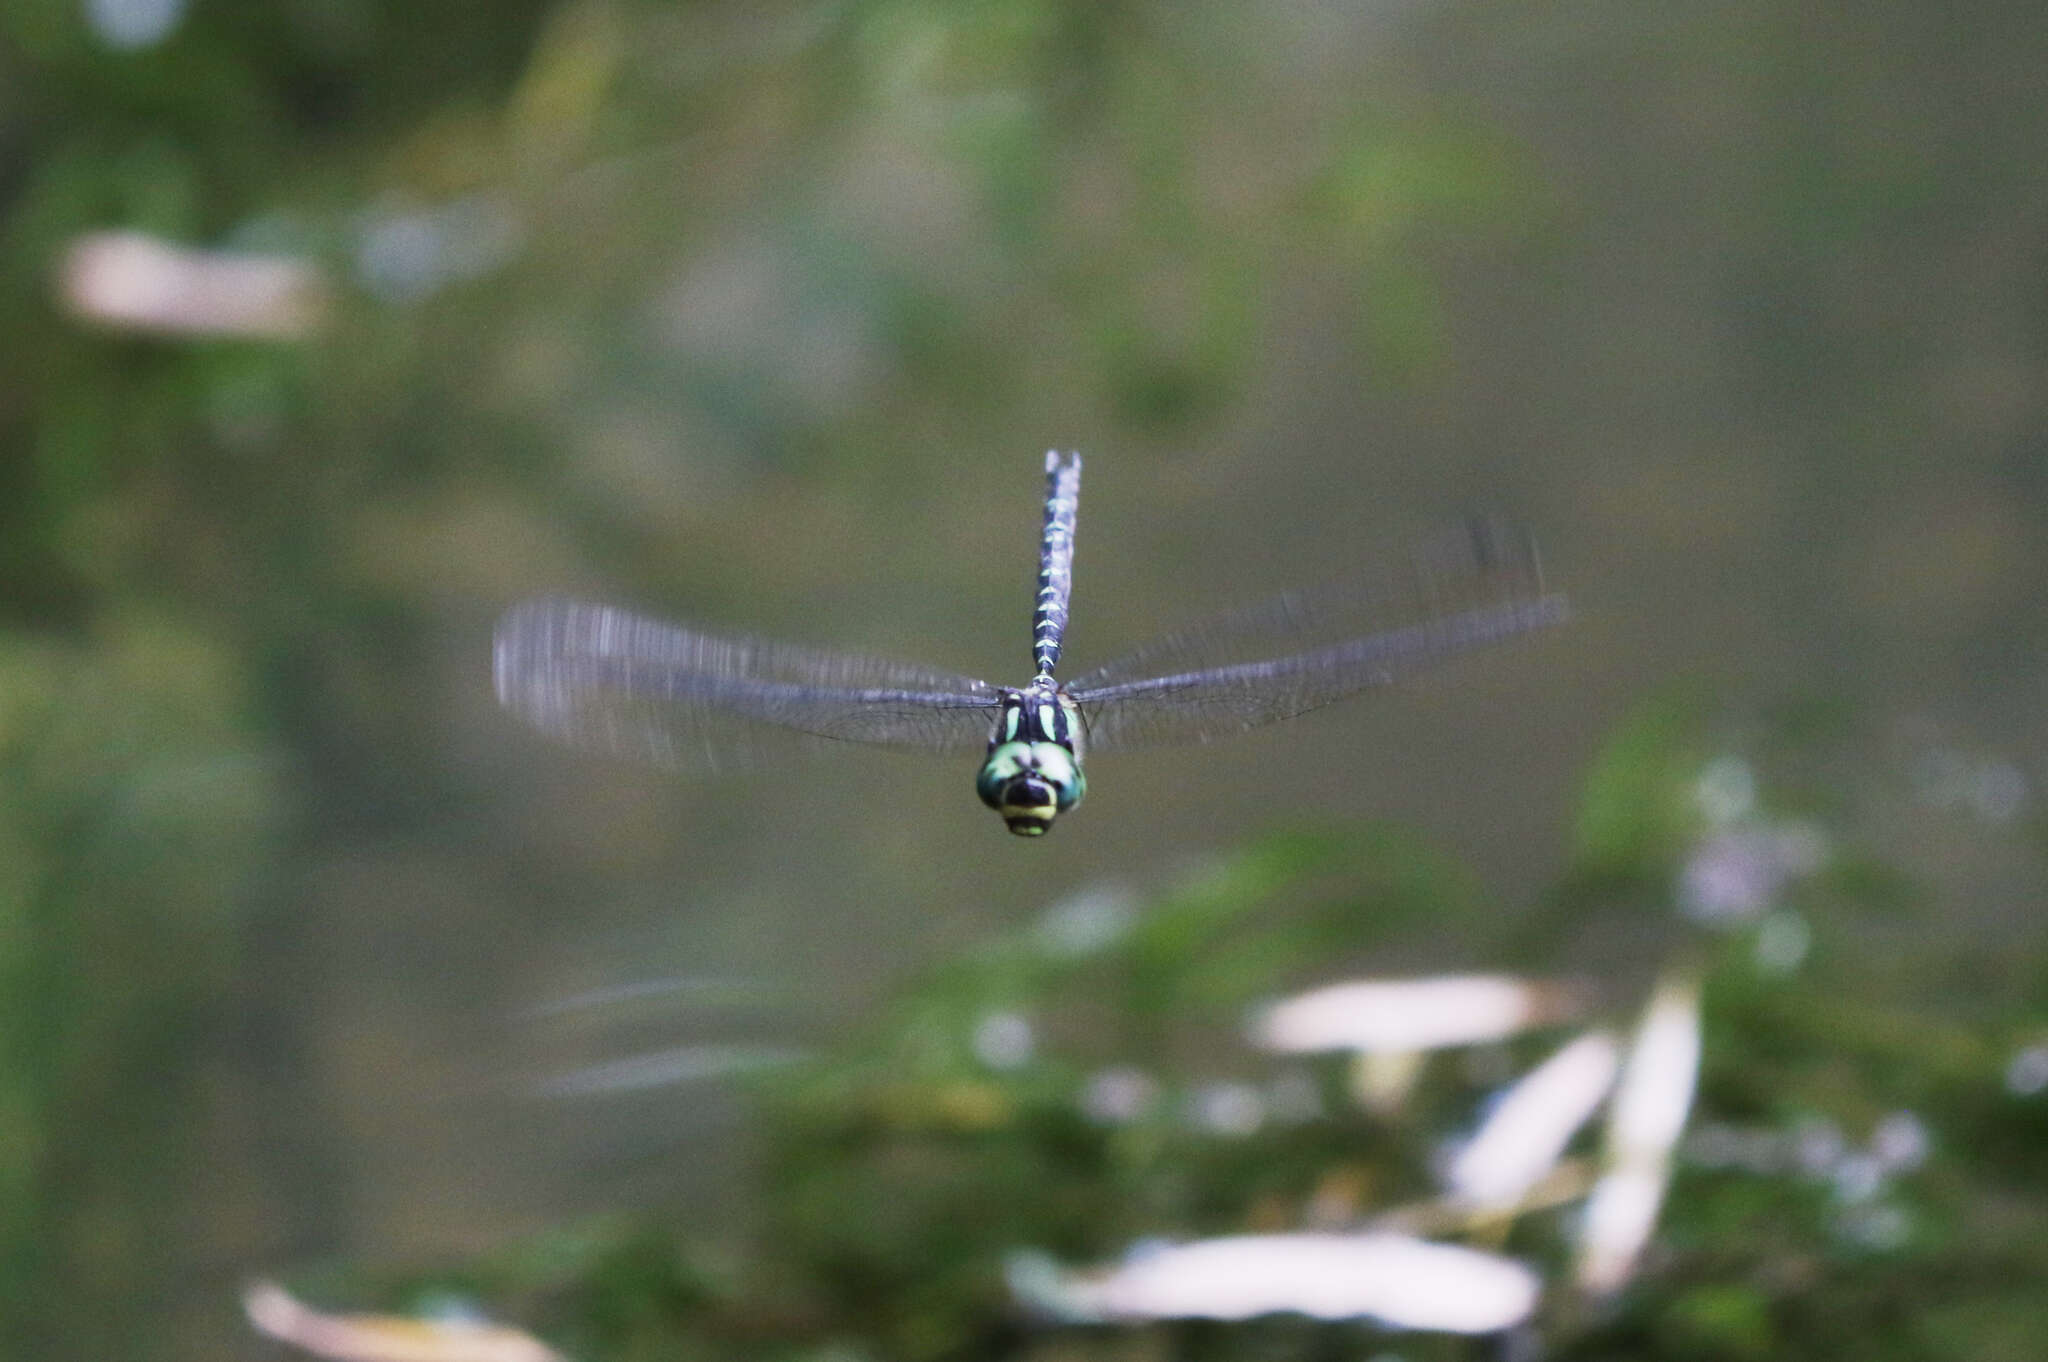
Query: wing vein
{"type": "Point", "coordinates": [616, 682]}
{"type": "Point", "coordinates": [1302, 650]}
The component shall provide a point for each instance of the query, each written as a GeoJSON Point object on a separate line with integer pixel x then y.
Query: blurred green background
{"type": "Point", "coordinates": [762, 315]}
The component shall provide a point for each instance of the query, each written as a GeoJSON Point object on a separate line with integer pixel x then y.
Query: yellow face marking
{"type": "Point", "coordinates": [1028, 820]}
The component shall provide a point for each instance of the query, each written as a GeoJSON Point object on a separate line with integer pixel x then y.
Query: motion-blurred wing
{"type": "Point", "coordinates": [615, 682]}
{"type": "Point", "coordinates": [1302, 650]}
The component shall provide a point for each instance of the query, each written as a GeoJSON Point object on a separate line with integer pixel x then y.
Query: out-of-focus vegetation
{"type": "Point", "coordinates": [748, 311]}
{"type": "Point", "coordinates": [1861, 1171]}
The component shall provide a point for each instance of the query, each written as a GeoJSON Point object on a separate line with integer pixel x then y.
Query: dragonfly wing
{"type": "Point", "coordinates": [616, 682]}
{"type": "Point", "coordinates": [1301, 650]}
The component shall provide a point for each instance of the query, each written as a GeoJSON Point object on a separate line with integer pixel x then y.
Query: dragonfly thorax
{"type": "Point", "coordinates": [1033, 771]}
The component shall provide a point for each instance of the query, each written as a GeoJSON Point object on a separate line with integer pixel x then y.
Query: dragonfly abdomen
{"type": "Point", "coordinates": [1055, 559]}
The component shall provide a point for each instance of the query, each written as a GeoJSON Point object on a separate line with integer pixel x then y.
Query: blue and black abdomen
{"type": "Point", "coordinates": [1055, 559]}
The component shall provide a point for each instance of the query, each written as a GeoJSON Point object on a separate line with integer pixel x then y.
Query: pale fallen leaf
{"type": "Point", "coordinates": [386, 1338]}
{"type": "Point", "coordinates": [133, 282]}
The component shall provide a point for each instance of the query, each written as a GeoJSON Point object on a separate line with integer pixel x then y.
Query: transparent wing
{"type": "Point", "coordinates": [616, 682]}
{"type": "Point", "coordinates": [1302, 650]}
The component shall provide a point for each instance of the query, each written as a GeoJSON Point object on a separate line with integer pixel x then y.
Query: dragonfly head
{"type": "Point", "coordinates": [1030, 783]}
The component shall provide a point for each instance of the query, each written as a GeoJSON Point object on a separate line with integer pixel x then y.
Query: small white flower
{"type": "Point", "coordinates": [1004, 1040]}
{"type": "Point", "coordinates": [130, 25]}
{"type": "Point", "coordinates": [1737, 873]}
{"type": "Point", "coordinates": [1857, 1178]}
{"type": "Point", "coordinates": [1999, 791]}
{"type": "Point", "coordinates": [2027, 1073]}
{"type": "Point", "coordinates": [1115, 1097]}
{"type": "Point", "coordinates": [1817, 1145]}
{"type": "Point", "coordinates": [1233, 1109]}
{"type": "Point", "coordinates": [1900, 1143]}
{"type": "Point", "coordinates": [1086, 923]}
{"type": "Point", "coordinates": [1725, 790]}
{"type": "Point", "coordinates": [1782, 941]}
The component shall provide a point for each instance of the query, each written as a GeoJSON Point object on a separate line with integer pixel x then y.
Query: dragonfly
{"type": "Point", "coordinates": [609, 680]}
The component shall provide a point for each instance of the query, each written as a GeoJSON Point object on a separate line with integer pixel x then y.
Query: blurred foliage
{"type": "Point", "coordinates": [1053, 1090]}
{"type": "Point", "coordinates": [136, 819]}
{"type": "Point", "coordinates": [1059, 149]}
{"type": "Point", "coordinates": [567, 240]}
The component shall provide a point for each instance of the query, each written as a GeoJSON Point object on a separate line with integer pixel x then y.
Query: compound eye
{"type": "Point", "coordinates": [1004, 765]}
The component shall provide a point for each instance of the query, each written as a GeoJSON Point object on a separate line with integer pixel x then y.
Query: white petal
{"type": "Point", "coordinates": [1412, 1014]}
{"type": "Point", "coordinates": [1656, 1089]}
{"type": "Point", "coordinates": [1651, 1103]}
{"type": "Point", "coordinates": [1533, 1122]}
{"type": "Point", "coordinates": [1004, 1040]}
{"type": "Point", "coordinates": [1408, 1283]}
{"type": "Point", "coordinates": [1620, 1214]}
